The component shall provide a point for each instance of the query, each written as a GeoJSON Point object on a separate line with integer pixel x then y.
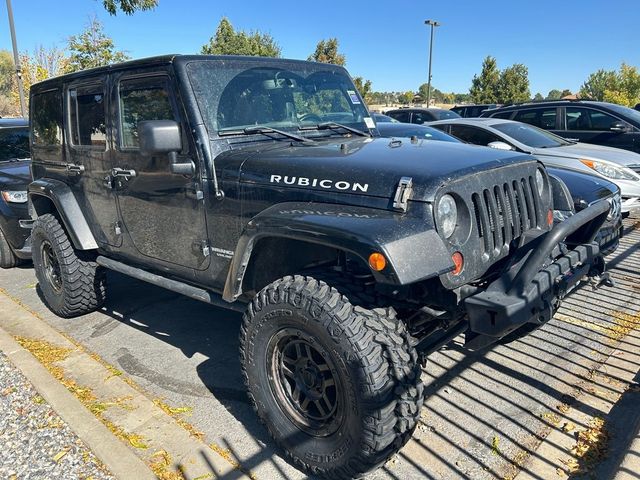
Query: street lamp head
{"type": "Point", "coordinates": [433, 23]}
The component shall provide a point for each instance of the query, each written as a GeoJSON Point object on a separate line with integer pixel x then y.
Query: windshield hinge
{"type": "Point", "coordinates": [403, 192]}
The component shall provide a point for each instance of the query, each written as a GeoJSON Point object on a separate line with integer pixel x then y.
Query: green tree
{"type": "Point", "coordinates": [597, 83]}
{"type": "Point", "coordinates": [406, 97]}
{"type": "Point", "coordinates": [128, 6]}
{"type": "Point", "coordinates": [484, 88]}
{"type": "Point", "coordinates": [92, 48]}
{"type": "Point", "coordinates": [538, 97]}
{"type": "Point", "coordinates": [364, 87]}
{"type": "Point", "coordinates": [228, 41]}
{"type": "Point", "coordinates": [513, 86]}
{"type": "Point", "coordinates": [626, 89]}
{"type": "Point", "coordinates": [554, 95]}
{"type": "Point", "coordinates": [327, 52]}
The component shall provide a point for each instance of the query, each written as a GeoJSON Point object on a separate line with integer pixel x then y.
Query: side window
{"type": "Point", "coordinates": [473, 135]}
{"type": "Point", "coordinates": [505, 115]}
{"type": "Point", "coordinates": [588, 119]}
{"type": "Point", "coordinates": [419, 118]}
{"type": "Point", "coordinates": [142, 99]}
{"type": "Point", "coordinates": [87, 116]}
{"type": "Point", "coordinates": [14, 143]}
{"type": "Point", "coordinates": [400, 116]}
{"type": "Point", "coordinates": [538, 117]}
{"type": "Point", "coordinates": [46, 118]}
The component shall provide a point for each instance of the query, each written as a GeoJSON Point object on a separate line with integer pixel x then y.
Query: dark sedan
{"type": "Point", "coordinates": [421, 115]}
{"type": "Point", "coordinates": [409, 130]}
{"type": "Point", "coordinates": [14, 178]}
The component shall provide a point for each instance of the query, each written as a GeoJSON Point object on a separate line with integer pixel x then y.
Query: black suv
{"type": "Point", "coordinates": [472, 111]}
{"type": "Point", "coordinates": [255, 184]}
{"type": "Point", "coordinates": [14, 178]}
{"type": "Point", "coordinates": [585, 121]}
{"type": "Point", "coordinates": [420, 115]}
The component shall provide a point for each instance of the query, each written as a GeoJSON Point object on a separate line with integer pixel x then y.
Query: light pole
{"type": "Point", "coordinates": [432, 24]}
{"type": "Point", "coordinates": [16, 59]}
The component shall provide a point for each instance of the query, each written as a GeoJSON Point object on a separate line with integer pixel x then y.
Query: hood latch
{"type": "Point", "coordinates": [403, 193]}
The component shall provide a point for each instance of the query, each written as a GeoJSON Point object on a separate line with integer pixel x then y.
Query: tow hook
{"type": "Point", "coordinates": [598, 277]}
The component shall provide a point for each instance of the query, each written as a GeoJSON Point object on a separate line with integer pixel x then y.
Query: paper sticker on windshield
{"type": "Point", "coordinates": [353, 96]}
{"type": "Point", "coordinates": [368, 121]}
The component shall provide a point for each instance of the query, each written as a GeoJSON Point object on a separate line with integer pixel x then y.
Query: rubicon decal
{"type": "Point", "coordinates": [322, 183]}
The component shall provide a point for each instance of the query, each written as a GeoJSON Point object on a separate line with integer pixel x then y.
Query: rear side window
{"type": "Point", "coordinates": [142, 99]}
{"type": "Point", "coordinates": [473, 135]}
{"type": "Point", "coordinates": [538, 117]}
{"type": "Point", "coordinates": [420, 118]}
{"type": "Point", "coordinates": [504, 115]}
{"type": "Point", "coordinates": [46, 118]}
{"type": "Point", "coordinates": [400, 116]}
{"type": "Point", "coordinates": [87, 116]}
{"type": "Point", "coordinates": [14, 143]}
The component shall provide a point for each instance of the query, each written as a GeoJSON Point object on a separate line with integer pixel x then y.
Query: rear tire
{"type": "Point", "coordinates": [72, 284]}
{"type": "Point", "coordinates": [7, 257]}
{"type": "Point", "coordinates": [338, 386]}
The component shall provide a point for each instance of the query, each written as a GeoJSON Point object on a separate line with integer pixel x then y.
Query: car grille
{"type": "Point", "coordinates": [504, 212]}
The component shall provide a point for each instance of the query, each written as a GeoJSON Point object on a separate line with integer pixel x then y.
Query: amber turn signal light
{"type": "Point", "coordinates": [377, 262]}
{"type": "Point", "coordinates": [550, 217]}
{"type": "Point", "coordinates": [458, 262]}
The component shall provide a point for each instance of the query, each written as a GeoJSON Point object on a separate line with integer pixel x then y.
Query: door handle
{"type": "Point", "coordinates": [123, 173]}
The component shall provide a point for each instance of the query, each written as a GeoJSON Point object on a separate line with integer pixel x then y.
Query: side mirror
{"type": "Point", "coordinates": [498, 145]}
{"type": "Point", "coordinates": [619, 127]}
{"type": "Point", "coordinates": [163, 137]}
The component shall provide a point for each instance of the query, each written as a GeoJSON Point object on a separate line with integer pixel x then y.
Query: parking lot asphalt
{"type": "Point", "coordinates": [486, 412]}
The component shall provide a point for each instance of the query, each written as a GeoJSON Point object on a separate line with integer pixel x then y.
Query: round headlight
{"type": "Point", "coordinates": [447, 215]}
{"type": "Point", "coordinates": [540, 181]}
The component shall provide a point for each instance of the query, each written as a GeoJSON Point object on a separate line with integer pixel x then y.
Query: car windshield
{"type": "Point", "coordinates": [626, 112]}
{"type": "Point", "coordinates": [14, 143]}
{"type": "Point", "coordinates": [234, 94]}
{"type": "Point", "coordinates": [445, 114]}
{"type": "Point", "coordinates": [419, 131]}
{"type": "Point", "coordinates": [379, 118]}
{"type": "Point", "coordinates": [531, 136]}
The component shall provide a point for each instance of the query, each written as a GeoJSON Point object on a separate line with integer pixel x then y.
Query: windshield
{"type": "Point", "coordinates": [446, 114]}
{"type": "Point", "coordinates": [626, 112]}
{"type": "Point", "coordinates": [531, 136]}
{"type": "Point", "coordinates": [236, 94]}
{"type": "Point", "coordinates": [14, 143]}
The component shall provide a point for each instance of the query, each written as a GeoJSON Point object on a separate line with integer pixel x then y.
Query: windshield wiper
{"type": "Point", "coordinates": [335, 126]}
{"type": "Point", "coordinates": [264, 131]}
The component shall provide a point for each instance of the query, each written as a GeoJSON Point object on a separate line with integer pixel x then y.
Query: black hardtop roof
{"type": "Point", "coordinates": [13, 122]}
{"type": "Point", "coordinates": [550, 103]}
{"type": "Point", "coordinates": [157, 60]}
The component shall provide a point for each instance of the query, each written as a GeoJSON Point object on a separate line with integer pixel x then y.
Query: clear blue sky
{"type": "Point", "coordinates": [387, 42]}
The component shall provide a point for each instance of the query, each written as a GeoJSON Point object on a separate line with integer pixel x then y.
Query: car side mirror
{"type": "Point", "coordinates": [163, 137]}
{"type": "Point", "coordinates": [620, 127]}
{"type": "Point", "coordinates": [498, 145]}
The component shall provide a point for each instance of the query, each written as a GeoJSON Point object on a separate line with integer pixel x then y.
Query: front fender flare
{"type": "Point", "coordinates": [411, 245]}
{"type": "Point", "coordinates": [67, 207]}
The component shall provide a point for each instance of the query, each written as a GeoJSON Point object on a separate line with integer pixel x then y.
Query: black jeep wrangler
{"type": "Point", "coordinates": [259, 185]}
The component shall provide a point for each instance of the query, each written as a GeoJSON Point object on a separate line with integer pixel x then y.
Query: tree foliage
{"type": "Point", "coordinates": [128, 6]}
{"type": "Point", "coordinates": [554, 94]}
{"type": "Point", "coordinates": [364, 87]}
{"type": "Point", "coordinates": [538, 97]}
{"type": "Point", "coordinates": [92, 48]}
{"type": "Point", "coordinates": [228, 41]}
{"type": "Point", "coordinates": [327, 52]}
{"type": "Point", "coordinates": [484, 87]}
{"type": "Point", "coordinates": [622, 86]}
{"type": "Point", "coordinates": [7, 78]}
{"type": "Point", "coordinates": [513, 86]}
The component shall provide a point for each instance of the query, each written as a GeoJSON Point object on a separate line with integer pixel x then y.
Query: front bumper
{"type": "Point", "coordinates": [531, 290]}
{"type": "Point", "coordinates": [630, 204]}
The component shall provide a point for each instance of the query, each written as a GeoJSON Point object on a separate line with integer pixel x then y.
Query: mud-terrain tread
{"type": "Point", "coordinates": [83, 280]}
{"type": "Point", "coordinates": [388, 362]}
{"type": "Point", "coordinates": [7, 257]}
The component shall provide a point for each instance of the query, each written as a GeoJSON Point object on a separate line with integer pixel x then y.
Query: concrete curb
{"type": "Point", "coordinates": [119, 459]}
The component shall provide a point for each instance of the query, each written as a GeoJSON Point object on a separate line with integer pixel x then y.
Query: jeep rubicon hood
{"type": "Point", "coordinates": [366, 166]}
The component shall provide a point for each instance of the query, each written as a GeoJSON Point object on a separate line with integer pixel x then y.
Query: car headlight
{"type": "Point", "coordinates": [540, 181]}
{"type": "Point", "coordinates": [611, 170]}
{"type": "Point", "coordinates": [15, 196]}
{"type": "Point", "coordinates": [447, 215]}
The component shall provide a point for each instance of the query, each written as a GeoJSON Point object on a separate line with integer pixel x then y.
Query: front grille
{"type": "Point", "coordinates": [504, 212]}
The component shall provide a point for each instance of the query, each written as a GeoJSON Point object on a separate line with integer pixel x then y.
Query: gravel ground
{"type": "Point", "coordinates": [35, 443]}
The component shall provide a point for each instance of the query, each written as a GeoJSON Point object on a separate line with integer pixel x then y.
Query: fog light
{"type": "Point", "coordinates": [458, 262]}
{"type": "Point", "coordinates": [377, 262]}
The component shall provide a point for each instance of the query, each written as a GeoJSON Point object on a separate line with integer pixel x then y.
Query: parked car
{"type": "Point", "coordinates": [585, 188]}
{"type": "Point", "coordinates": [227, 179]}
{"type": "Point", "coordinates": [420, 115]}
{"type": "Point", "coordinates": [610, 163]}
{"type": "Point", "coordinates": [472, 111]}
{"type": "Point", "coordinates": [380, 118]}
{"type": "Point", "coordinates": [598, 123]}
{"type": "Point", "coordinates": [14, 178]}
{"type": "Point", "coordinates": [409, 130]}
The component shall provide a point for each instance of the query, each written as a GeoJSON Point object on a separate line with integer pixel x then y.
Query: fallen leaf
{"type": "Point", "coordinates": [56, 458]}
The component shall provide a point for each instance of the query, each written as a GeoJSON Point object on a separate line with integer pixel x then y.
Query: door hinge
{"type": "Point", "coordinates": [403, 192]}
{"type": "Point", "coordinates": [206, 249]}
{"type": "Point", "coordinates": [117, 228]}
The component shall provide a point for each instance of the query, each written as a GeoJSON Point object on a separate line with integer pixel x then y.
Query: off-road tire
{"type": "Point", "coordinates": [373, 361]}
{"type": "Point", "coordinates": [7, 257]}
{"type": "Point", "coordinates": [81, 286]}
